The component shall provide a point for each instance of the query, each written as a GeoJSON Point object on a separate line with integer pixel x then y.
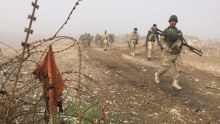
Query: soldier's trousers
{"type": "Point", "coordinates": [133, 45]}
{"type": "Point", "coordinates": [106, 44]}
{"type": "Point", "coordinates": [168, 60]}
{"type": "Point", "coordinates": [150, 47]}
{"type": "Point", "coordinates": [101, 44]}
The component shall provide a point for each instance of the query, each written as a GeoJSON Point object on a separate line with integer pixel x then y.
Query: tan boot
{"type": "Point", "coordinates": [133, 54]}
{"type": "Point", "coordinates": [157, 79]}
{"type": "Point", "coordinates": [176, 85]}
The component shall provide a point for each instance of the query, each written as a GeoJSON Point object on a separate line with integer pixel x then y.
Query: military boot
{"type": "Point", "coordinates": [176, 85]}
{"type": "Point", "coordinates": [133, 53]}
{"type": "Point", "coordinates": [157, 79]}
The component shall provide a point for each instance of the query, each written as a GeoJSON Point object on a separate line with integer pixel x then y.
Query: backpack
{"type": "Point", "coordinates": [134, 36]}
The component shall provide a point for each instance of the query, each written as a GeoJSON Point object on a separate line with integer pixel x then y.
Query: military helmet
{"type": "Point", "coordinates": [135, 29]}
{"type": "Point", "coordinates": [173, 17]}
{"type": "Point", "coordinates": [154, 24]}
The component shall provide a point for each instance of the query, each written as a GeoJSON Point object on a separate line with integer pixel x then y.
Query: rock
{"type": "Point", "coordinates": [135, 113]}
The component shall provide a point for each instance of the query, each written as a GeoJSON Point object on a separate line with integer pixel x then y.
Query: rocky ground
{"type": "Point", "coordinates": [135, 98]}
{"type": "Point", "coordinates": [126, 83]}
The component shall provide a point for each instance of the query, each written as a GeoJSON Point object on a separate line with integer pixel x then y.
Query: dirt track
{"type": "Point", "coordinates": [135, 98]}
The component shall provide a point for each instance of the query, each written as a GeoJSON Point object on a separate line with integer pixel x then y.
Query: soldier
{"type": "Point", "coordinates": [172, 45]}
{"type": "Point", "coordinates": [111, 40]}
{"type": "Point", "coordinates": [105, 40]}
{"type": "Point", "coordinates": [89, 37]}
{"type": "Point", "coordinates": [81, 40]}
{"type": "Point", "coordinates": [86, 39]}
{"type": "Point", "coordinates": [152, 36]}
{"type": "Point", "coordinates": [97, 39]}
{"type": "Point", "coordinates": [134, 37]}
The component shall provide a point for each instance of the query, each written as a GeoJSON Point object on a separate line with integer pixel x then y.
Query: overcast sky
{"type": "Point", "coordinates": [199, 18]}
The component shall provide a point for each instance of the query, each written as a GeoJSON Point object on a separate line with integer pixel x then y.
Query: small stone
{"type": "Point", "coordinates": [135, 113]}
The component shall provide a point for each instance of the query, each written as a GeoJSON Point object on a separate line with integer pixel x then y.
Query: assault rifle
{"type": "Point", "coordinates": [184, 43]}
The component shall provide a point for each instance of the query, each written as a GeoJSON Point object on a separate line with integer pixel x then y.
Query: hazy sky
{"type": "Point", "coordinates": [199, 18]}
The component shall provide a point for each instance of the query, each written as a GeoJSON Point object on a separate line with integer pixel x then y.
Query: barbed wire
{"type": "Point", "coordinates": [77, 3]}
{"type": "Point", "coordinates": [9, 46]}
{"type": "Point", "coordinates": [16, 74]}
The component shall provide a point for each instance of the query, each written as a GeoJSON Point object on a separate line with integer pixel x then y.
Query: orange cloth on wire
{"type": "Point", "coordinates": [53, 83]}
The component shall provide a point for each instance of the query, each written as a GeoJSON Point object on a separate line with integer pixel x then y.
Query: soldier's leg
{"type": "Point", "coordinates": [110, 44]}
{"type": "Point", "coordinates": [178, 70]}
{"type": "Point", "coordinates": [149, 50]}
{"type": "Point", "coordinates": [89, 43]}
{"type": "Point", "coordinates": [106, 45]}
{"type": "Point", "coordinates": [134, 48]}
{"type": "Point", "coordinates": [152, 50]}
{"type": "Point", "coordinates": [102, 44]}
{"type": "Point", "coordinates": [166, 63]}
{"type": "Point", "coordinates": [96, 43]}
{"type": "Point", "coordinates": [133, 45]}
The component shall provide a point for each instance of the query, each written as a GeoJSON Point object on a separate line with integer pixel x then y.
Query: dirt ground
{"type": "Point", "coordinates": [135, 98]}
{"type": "Point", "coordinates": [132, 95]}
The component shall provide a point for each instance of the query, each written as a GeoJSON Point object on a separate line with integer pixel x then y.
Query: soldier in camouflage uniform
{"type": "Point", "coordinates": [134, 37]}
{"type": "Point", "coordinates": [152, 36]}
{"type": "Point", "coordinates": [97, 39]}
{"type": "Point", "coordinates": [172, 45]}
{"type": "Point", "coordinates": [105, 40]}
{"type": "Point", "coordinates": [111, 40]}
{"type": "Point", "coordinates": [81, 40]}
{"type": "Point", "coordinates": [85, 40]}
{"type": "Point", "coordinates": [89, 40]}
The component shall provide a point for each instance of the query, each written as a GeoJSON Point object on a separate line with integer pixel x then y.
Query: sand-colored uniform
{"type": "Point", "coordinates": [105, 39]}
{"type": "Point", "coordinates": [152, 36]}
{"type": "Point", "coordinates": [134, 37]}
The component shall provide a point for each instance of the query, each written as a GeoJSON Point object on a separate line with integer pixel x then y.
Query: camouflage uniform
{"type": "Point", "coordinates": [111, 40]}
{"type": "Point", "coordinates": [105, 39]}
{"type": "Point", "coordinates": [134, 37]}
{"type": "Point", "coordinates": [81, 40]}
{"type": "Point", "coordinates": [97, 39]}
{"type": "Point", "coordinates": [86, 40]}
{"type": "Point", "coordinates": [152, 36]}
{"type": "Point", "coordinates": [172, 45]}
{"type": "Point", "coordinates": [89, 37]}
